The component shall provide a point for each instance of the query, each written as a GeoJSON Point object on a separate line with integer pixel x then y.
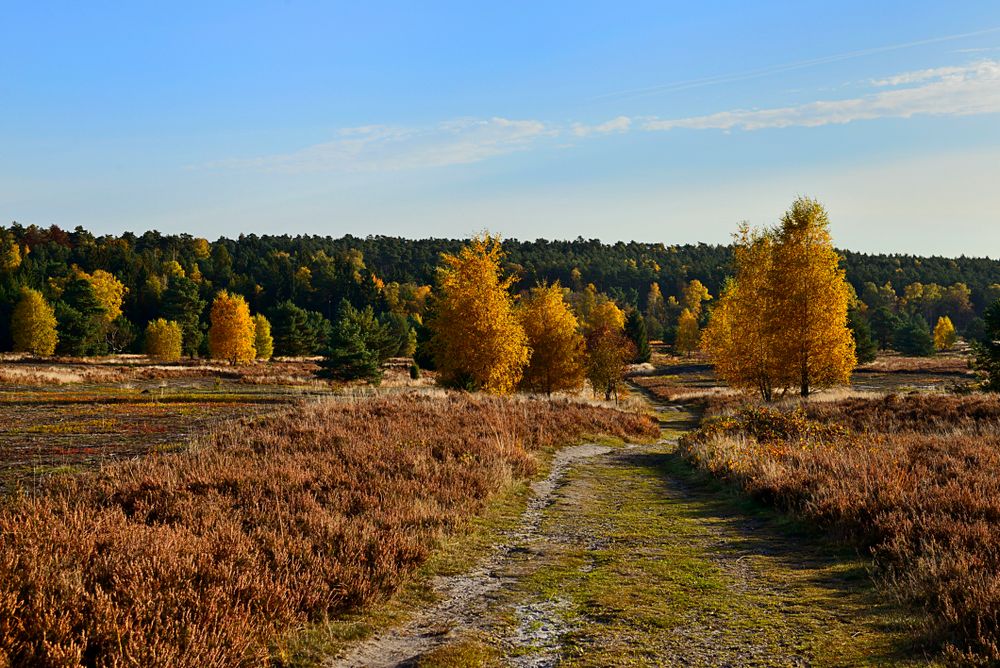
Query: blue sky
{"type": "Point", "coordinates": [666, 122]}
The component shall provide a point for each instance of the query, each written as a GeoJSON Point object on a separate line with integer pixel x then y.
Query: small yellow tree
{"type": "Point", "coordinates": [163, 340]}
{"type": "Point", "coordinates": [608, 348]}
{"type": "Point", "coordinates": [688, 334]}
{"type": "Point", "coordinates": [656, 312]}
{"type": "Point", "coordinates": [109, 291]}
{"type": "Point", "coordinates": [231, 333]}
{"type": "Point", "coordinates": [10, 252]}
{"type": "Point", "coordinates": [263, 341]}
{"type": "Point", "coordinates": [33, 324]}
{"type": "Point", "coordinates": [557, 347]}
{"type": "Point", "coordinates": [477, 339]}
{"type": "Point", "coordinates": [604, 316]}
{"type": "Point", "coordinates": [944, 334]}
{"type": "Point", "coordinates": [694, 295]}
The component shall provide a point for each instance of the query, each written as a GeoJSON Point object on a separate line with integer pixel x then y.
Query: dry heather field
{"type": "Point", "coordinates": [68, 416]}
{"type": "Point", "coordinates": [302, 508]}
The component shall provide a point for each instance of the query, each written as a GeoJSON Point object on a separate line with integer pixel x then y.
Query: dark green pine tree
{"type": "Point", "coordinates": [864, 346]}
{"type": "Point", "coordinates": [292, 330]}
{"type": "Point", "coordinates": [183, 304]}
{"type": "Point", "coordinates": [359, 345]}
{"type": "Point", "coordinates": [78, 316]}
{"type": "Point", "coordinates": [635, 329]}
{"type": "Point", "coordinates": [987, 349]}
{"type": "Point", "coordinates": [884, 324]}
{"type": "Point", "coordinates": [914, 337]}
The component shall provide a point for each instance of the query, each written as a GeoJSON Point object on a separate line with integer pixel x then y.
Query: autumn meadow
{"type": "Point", "coordinates": [272, 451]}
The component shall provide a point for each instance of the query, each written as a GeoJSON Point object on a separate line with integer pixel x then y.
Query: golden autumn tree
{"type": "Point", "coordinates": [231, 333]}
{"type": "Point", "coordinates": [656, 312]}
{"type": "Point", "coordinates": [10, 252]}
{"type": "Point", "coordinates": [695, 294]}
{"type": "Point", "coordinates": [810, 296]}
{"type": "Point", "coordinates": [163, 340]}
{"type": "Point", "coordinates": [608, 348]}
{"type": "Point", "coordinates": [477, 339]}
{"type": "Point", "coordinates": [688, 333]}
{"type": "Point", "coordinates": [944, 334]}
{"type": "Point", "coordinates": [557, 347]}
{"type": "Point", "coordinates": [263, 342]}
{"type": "Point", "coordinates": [109, 291]}
{"type": "Point", "coordinates": [33, 324]}
{"type": "Point", "coordinates": [738, 338]}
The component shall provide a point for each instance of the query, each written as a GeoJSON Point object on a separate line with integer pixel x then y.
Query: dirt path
{"type": "Point", "coordinates": [465, 597]}
{"type": "Point", "coordinates": [624, 556]}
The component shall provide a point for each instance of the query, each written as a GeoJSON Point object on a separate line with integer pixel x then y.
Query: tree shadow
{"type": "Point", "coordinates": [743, 528]}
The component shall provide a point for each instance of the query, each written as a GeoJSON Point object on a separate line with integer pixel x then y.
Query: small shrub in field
{"type": "Point", "coordinates": [202, 558]}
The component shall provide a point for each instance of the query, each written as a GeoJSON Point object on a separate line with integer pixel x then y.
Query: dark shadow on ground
{"type": "Point", "coordinates": [747, 528]}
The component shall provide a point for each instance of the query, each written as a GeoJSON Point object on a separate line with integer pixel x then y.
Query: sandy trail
{"type": "Point", "coordinates": [465, 597]}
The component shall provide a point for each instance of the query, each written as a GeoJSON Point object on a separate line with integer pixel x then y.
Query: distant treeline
{"type": "Point", "coordinates": [316, 274]}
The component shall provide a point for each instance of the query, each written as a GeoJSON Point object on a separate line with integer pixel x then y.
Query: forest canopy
{"type": "Point", "coordinates": [302, 280]}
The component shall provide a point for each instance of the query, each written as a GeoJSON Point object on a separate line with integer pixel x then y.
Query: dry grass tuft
{"type": "Point", "coordinates": [204, 557]}
{"type": "Point", "coordinates": [916, 479]}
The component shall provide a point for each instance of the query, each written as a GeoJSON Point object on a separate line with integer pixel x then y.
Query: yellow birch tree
{"type": "Point", "coordinates": [263, 341]}
{"type": "Point", "coordinates": [810, 297]}
{"type": "Point", "coordinates": [944, 334]}
{"type": "Point", "coordinates": [695, 293]}
{"type": "Point", "coordinates": [163, 340]}
{"type": "Point", "coordinates": [688, 333]}
{"type": "Point", "coordinates": [742, 346]}
{"type": "Point", "coordinates": [231, 333]}
{"type": "Point", "coordinates": [477, 339]}
{"type": "Point", "coordinates": [33, 324]}
{"type": "Point", "coordinates": [608, 348]}
{"type": "Point", "coordinates": [557, 347]}
{"type": "Point", "coordinates": [109, 291]}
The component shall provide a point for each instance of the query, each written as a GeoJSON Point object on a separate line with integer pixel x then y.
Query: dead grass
{"type": "Point", "coordinates": [203, 557]}
{"type": "Point", "coordinates": [915, 479]}
{"type": "Point", "coordinates": [942, 363]}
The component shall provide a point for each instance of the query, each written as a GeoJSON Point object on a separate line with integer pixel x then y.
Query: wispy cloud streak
{"type": "Point", "coordinates": [387, 148]}
{"type": "Point", "coordinates": [947, 91]}
{"type": "Point", "coordinates": [781, 68]}
{"type": "Point", "coordinates": [944, 91]}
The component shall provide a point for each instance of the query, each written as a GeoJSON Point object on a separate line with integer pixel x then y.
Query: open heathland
{"type": "Point", "coordinates": [204, 557]}
{"type": "Point", "coordinates": [915, 479]}
{"type": "Point", "coordinates": [71, 415]}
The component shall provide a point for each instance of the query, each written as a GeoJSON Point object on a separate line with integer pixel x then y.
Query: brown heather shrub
{"type": "Point", "coordinates": [917, 481]}
{"type": "Point", "coordinates": [202, 558]}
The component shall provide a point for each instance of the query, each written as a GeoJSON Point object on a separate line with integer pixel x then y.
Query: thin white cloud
{"type": "Point", "coordinates": [781, 68]}
{"type": "Point", "coordinates": [949, 91]}
{"type": "Point", "coordinates": [619, 124]}
{"type": "Point", "coordinates": [980, 49]}
{"type": "Point", "coordinates": [919, 76]}
{"type": "Point", "coordinates": [388, 148]}
{"type": "Point", "coordinates": [944, 91]}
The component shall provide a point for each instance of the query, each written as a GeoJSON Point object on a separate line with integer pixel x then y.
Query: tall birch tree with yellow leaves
{"type": "Point", "coordinates": [738, 338]}
{"type": "Point", "coordinates": [782, 320]}
{"type": "Point", "coordinates": [810, 296]}
{"type": "Point", "coordinates": [558, 350]}
{"type": "Point", "coordinates": [477, 339]}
